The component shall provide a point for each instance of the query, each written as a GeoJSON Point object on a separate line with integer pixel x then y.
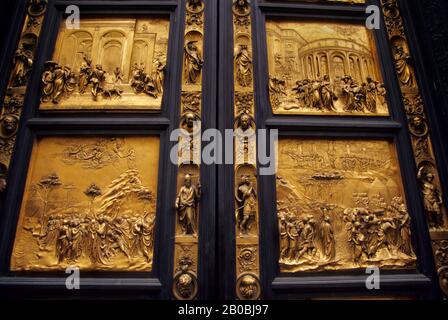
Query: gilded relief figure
{"type": "Point", "coordinates": [80, 215]}
{"type": "Point", "coordinates": [403, 66]}
{"type": "Point", "coordinates": [246, 199]}
{"type": "Point", "coordinates": [97, 79]}
{"type": "Point", "coordinates": [248, 287]}
{"type": "Point", "coordinates": [152, 85]}
{"type": "Point", "coordinates": [85, 72]}
{"type": "Point", "coordinates": [340, 206]}
{"type": "Point", "coordinates": [187, 205]}
{"type": "Point", "coordinates": [315, 94]}
{"type": "Point", "coordinates": [23, 61]}
{"type": "Point", "coordinates": [327, 237]}
{"type": "Point", "coordinates": [9, 124]}
{"type": "Point", "coordinates": [432, 198]}
{"type": "Point", "coordinates": [243, 64]}
{"type": "Point", "coordinates": [276, 91]}
{"type": "Point", "coordinates": [327, 94]}
{"type": "Point", "coordinates": [193, 62]}
{"type": "Point", "coordinates": [326, 68]}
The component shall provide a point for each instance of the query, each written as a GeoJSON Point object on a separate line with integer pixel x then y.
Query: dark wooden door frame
{"type": "Point", "coordinates": [124, 285]}
{"type": "Point", "coordinates": [217, 255]}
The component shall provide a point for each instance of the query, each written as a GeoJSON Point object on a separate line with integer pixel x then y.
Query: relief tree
{"type": "Point", "coordinates": [43, 189]}
{"type": "Point", "coordinates": [93, 191]}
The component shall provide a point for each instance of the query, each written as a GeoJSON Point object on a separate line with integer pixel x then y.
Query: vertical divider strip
{"type": "Point", "coordinates": [187, 206]}
{"type": "Point", "coordinates": [245, 155]}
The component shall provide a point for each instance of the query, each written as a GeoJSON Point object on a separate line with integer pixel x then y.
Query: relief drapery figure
{"type": "Point", "coordinates": [84, 74]}
{"type": "Point", "coordinates": [403, 67]}
{"type": "Point", "coordinates": [187, 204]}
{"type": "Point", "coordinates": [243, 64]}
{"type": "Point", "coordinates": [432, 198]}
{"type": "Point", "coordinates": [57, 82]}
{"type": "Point", "coordinates": [142, 235]}
{"type": "Point", "coordinates": [193, 62]}
{"type": "Point", "coordinates": [158, 76]}
{"type": "Point", "coordinates": [327, 236]}
{"type": "Point", "coordinates": [23, 61]}
{"type": "Point", "coordinates": [371, 95]}
{"type": "Point", "coordinates": [328, 95]}
{"type": "Point", "coordinates": [315, 94]}
{"type": "Point", "coordinates": [97, 79]}
{"type": "Point", "coordinates": [152, 85]}
{"type": "Point", "coordinates": [277, 88]}
{"type": "Point", "coordinates": [246, 198]}
{"type": "Point", "coordinates": [349, 92]}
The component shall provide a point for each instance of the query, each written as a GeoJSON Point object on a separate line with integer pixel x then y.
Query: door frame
{"type": "Point", "coordinates": [324, 284]}
{"type": "Point", "coordinates": [156, 284]}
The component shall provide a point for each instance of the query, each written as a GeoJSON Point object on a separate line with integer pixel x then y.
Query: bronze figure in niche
{"type": "Point", "coordinates": [89, 202]}
{"type": "Point", "coordinates": [187, 204]}
{"type": "Point", "coordinates": [317, 68]}
{"type": "Point", "coordinates": [193, 62]}
{"type": "Point", "coordinates": [432, 197]}
{"type": "Point", "coordinates": [403, 65]}
{"type": "Point", "coordinates": [23, 61]}
{"type": "Point", "coordinates": [340, 206]}
{"type": "Point", "coordinates": [246, 198]}
{"type": "Point", "coordinates": [116, 64]}
{"type": "Point", "coordinates": [243, 65]}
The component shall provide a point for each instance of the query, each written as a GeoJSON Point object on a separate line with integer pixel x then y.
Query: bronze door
{"type": "Point", "coordinates": [357, 184]}
{"type": "Point", "coordinates": [94, 197]}
{"type": "Point", "coordinates": [332, 175]}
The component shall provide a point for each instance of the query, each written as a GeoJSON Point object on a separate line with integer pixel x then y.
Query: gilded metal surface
{"type": "Point", "coordinates": [246, 196]}
{"type": "Point", "coordinates": [323, 68]}
{"type": "Point", "coordinates": [428, 175]}
{"type": "Point", "coordinates": [89, 202]}
{"type": "Point", "coordinates": [13, 104]}
{"type": "Point", "coordinates": [341, 206]}
{"type": "Point", "coordinates": [187, 204]}
{"type": "Point", "coordinates": [113, 64]}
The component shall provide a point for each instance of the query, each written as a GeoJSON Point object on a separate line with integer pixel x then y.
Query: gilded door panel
{"type": "Point", "coordinates": [341, 205]}
{"type": "Point", "coordinates": [89, 202]}
{"type": "Point", "coordinates": [323, 68]}
{"type": "Point", "coordinates": [108, 64]}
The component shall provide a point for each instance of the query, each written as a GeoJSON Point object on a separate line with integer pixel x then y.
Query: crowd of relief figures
{"type": "Point", "coordinates": [120, 62]}
{"type": "Point", "coordinates": [329, 68]}
{"type": "Point", "coordinates": [89, 202]}
{"type": "Point", "coordinates": [340, 206]}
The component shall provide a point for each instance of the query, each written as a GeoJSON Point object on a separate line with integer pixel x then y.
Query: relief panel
{"type": "Point", "coordinates": [113, 64]}
{"type": "Point", "coordinates": [324, 69]}
{"type": "Point", "coordinates": [89, 202]}
{"type": "Point", "coordinates": [341, 206]}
